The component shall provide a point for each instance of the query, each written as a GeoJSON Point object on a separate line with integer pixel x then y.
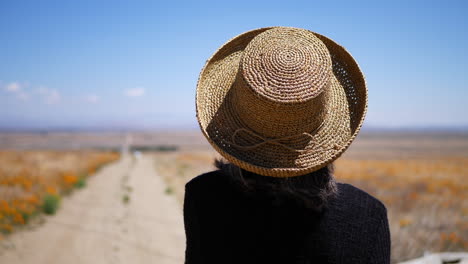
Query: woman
{"type": "Point", "coordinates": [280, 105]}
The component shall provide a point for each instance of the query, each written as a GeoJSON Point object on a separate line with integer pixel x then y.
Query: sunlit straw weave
{"type": "Point", "coordinates": [281, 101]}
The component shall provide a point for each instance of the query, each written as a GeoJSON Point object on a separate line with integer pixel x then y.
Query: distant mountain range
{"type": "Point", "coordinates": [117, 128]}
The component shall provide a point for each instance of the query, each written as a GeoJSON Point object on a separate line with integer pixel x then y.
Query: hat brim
{"type": "Point", "coordinates": [218, 119]}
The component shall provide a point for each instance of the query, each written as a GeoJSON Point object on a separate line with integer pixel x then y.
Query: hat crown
{"type": "Point", "coordinates": [281, 89]}
{"type": "Point", "coordinates": [286, 65]}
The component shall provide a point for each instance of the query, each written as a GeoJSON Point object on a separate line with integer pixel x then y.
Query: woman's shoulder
{"type": "Point", "coordinates": [351, 196]}
{"type": "Point", "coordinates": [206, 180]}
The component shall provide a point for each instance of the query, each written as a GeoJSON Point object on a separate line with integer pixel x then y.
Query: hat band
{"type": "Point", "coordinates": [276, 141]}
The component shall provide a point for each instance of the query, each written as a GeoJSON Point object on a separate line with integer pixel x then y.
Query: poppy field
{"type": "Point", "coordinates": [426, 199]}
{"type": "Point", "coordinates": [32, 182]}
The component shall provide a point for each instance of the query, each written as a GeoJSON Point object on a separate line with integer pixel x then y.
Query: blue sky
{"type": "Point", "coordinates": [111, 64]}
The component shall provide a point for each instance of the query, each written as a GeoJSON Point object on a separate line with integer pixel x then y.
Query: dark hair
{"type": "Point", "coordinates": [313, 190]}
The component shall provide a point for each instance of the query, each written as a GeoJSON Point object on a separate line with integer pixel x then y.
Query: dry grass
{"type": "Point", "coordinates": [27, 178]}
{"type": "Point", "coordinates": [426, 196]}
{"type": "Point", "coordinates": [427, 200]}
{"type": "Point", "coordinates": [177, 168]}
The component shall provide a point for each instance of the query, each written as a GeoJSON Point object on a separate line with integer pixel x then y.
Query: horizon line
{"type": "Point", "coordinates": [182, 128]}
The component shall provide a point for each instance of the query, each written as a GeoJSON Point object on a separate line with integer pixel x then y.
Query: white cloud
{"type": "Point", "coordinates": [50, 96]}
{"type": "Point", "coordinates": [135, 92]}
{"type": "Point", "coordinates": [13, 87]}
{"type": "Point", "coordinates": [16, 88]}
{"type": "Point", "coordinates": [92, 98]}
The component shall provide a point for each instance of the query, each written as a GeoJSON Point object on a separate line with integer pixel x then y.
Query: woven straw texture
{"type": "Point", "coordinates": [281, 101]}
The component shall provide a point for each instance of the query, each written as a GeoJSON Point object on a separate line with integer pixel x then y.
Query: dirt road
{"type": "Point", "coordinates": [99, 225]}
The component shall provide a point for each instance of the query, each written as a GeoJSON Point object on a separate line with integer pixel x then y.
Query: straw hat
{"type": "Point", "coordinates": [281, 101]}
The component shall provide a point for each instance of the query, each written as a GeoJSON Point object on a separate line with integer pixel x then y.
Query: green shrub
{"type": "Point", "coordinates": [126, 199]}
{"type": "Point", "coordinates": [80, 183]}
{"type": "Point", "coordinates": [169, 190]}
{"type": "Point", "coordinates": [26, 217]}
{"type": "Point", "coordinates": [51, 204]}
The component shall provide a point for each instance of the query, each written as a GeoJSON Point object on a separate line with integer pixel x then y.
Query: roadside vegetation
{"type": "Point", "coordinates": [33, 182]}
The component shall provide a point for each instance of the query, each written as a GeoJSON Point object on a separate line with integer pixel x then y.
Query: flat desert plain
{"type": "Point", "coordinates": [420, 176]}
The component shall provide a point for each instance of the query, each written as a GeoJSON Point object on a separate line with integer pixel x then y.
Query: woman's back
{"type": "Point", "coordinates": [282, 104]}
{"type": "Point", "coordinates": [225, 225]}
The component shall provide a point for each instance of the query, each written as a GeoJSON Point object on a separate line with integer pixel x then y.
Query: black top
{"type": "Point", "coordinates": [223, 225]}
